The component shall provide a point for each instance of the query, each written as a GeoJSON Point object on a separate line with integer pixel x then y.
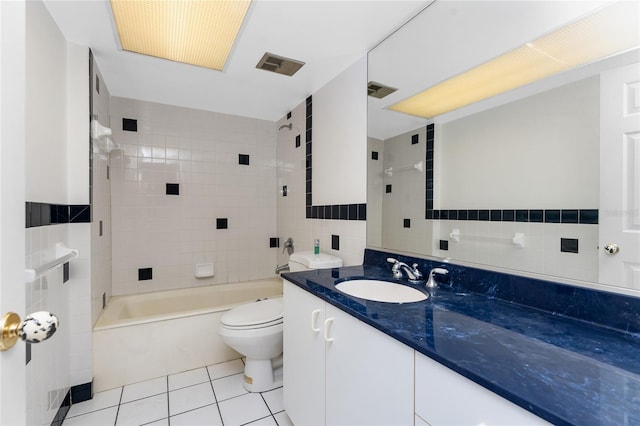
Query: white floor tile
{"type": "Point", "coordinates": [243, 409]}
{"type": "Point", "coordinates": [229, 387]}
{"type": "Point", "coordinates": [104, 417]}
{"type": "Point", "coordinates": [267, 421]}
{"type": "Point", "coordinates": [283, 419]}
{"type": "Point", "coordinates": [143, 411]}
{"type": "Point", "coordinates": [100, 400]}
{"type": "Point", "coordinates": [191, 397]}
{"type": "Point", "coordinates": [188, 378]}
{"type": "Point", "coordinates": [274, 400]}
{"type": "Point", "coordinates": [163, 422]}
{"type": "Point", "coordinates": [205, 416]}
{"type": "Point", "coordinates": [226, 369]}
{"type": "Point", "coordinates": [144, 389]}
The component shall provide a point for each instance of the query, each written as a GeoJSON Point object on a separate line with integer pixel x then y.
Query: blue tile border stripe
{"type": "Point", "coordinates": [332, 211]}
{"type": "Point", "coordinates": [576, 216]}
{"type": "Point", "coordinates": [45, 214]}
{"type": "Point", "coordinates": [583, 217]}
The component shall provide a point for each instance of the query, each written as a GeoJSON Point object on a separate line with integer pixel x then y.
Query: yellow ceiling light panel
{"type": "Point", "coordinates": [196, 32]}
{"type": "Point", "coordinates": [612, 30]}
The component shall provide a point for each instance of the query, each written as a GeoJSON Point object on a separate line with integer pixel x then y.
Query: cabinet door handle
{"type": "Point", "coordinates": [327, 324]}
{"type": "Point", "coordinates": [314, 319]}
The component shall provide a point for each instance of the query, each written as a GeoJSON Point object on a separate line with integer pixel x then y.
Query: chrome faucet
{"type": "Point", "coordinates": [281, 268]}
{"type": "Point", "coordinates": [431, 282]}
{"type": "Point", "coordinates": [413, 273]}
{"type": "Point", "coordinates": [288, 246]}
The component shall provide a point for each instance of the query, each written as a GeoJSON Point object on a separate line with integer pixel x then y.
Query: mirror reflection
{"type": "Point", "coordinates": [540, 178]}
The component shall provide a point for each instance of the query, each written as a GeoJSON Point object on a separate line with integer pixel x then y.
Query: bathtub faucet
{"type": "Point", "coordinates": [281, 268]}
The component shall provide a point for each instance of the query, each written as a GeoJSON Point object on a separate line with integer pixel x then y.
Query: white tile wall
{"type": "Point", "coordinates": [48, 371]}
{"type": "Point", "coordinates": [292, 221]}
{"type": "Point", "coordinates": [199, 150]}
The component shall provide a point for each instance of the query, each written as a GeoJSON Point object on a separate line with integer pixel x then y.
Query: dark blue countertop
{"type": "Point", "coordinates": [564, 369]}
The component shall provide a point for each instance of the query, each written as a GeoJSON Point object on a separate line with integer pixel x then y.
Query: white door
{"type": "Point", "coordinates": [620, 177]}
{"type": "Point", "coordinates": [12, 204]}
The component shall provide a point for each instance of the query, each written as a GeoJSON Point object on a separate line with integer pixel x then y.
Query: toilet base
{"type": "Point", "coordinates": [261, 375]}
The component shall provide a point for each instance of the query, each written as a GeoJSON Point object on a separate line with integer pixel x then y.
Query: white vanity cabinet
{"type": "Point", "coordinates": [444, 397]}
{"type": "Point", "coordinates": [339, 370]}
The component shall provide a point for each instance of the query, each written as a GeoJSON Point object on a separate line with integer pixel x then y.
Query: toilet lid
{"type": "Point", "coordinates": [258, 313]}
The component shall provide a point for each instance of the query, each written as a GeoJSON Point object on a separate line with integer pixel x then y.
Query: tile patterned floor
{"type": "Point", "coordinates": [206, 396]}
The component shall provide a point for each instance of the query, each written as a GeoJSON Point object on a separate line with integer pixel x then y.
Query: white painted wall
{"type": "Point", "coordinates": [340, 138]}
{"type": "Point", "coordinates": [46, 105]}
{"type": "Point", "coordinates": [339, 173]}
{"type": "Point", "coordinates": [502, 157]}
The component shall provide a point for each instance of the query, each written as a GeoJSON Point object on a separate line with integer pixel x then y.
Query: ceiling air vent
{"type": "Point", "coordinates": [279, 64]}
{"type": "Point", "coordinates": [378, 90]}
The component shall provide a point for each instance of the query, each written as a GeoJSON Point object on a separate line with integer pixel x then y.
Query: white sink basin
{"type": "Point", "coordinates": [380, 291]}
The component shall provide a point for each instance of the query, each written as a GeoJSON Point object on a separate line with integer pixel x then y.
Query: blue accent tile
{"type": "Point", "coordinates": [243, 159]}
{"type": "Point", "coordinates": [552, 216]}
{"type": "Point", "coordinates": [173, 189]}
{"type": "Point", "coordinates": [344, 212]}
{"type": "Point", "coordinates": [569, 245]}
{"type": "Point", "coordinates": [569, 216]}
{"type": "Point", "coordinates": [145, 274]}
{"type": "Point", "coordinates": [222, 223]}
{"type": "Point", "coordinates": [335, 242]}
{"type": "Point", "coordinates": [522, 215]}
{"type": "Point", "coordinates": [374, 155]}
{"type": "Point", "coordinates": [536, 215]}
{"type": "Point", "coordinates": [353, 212]}
{"type": "Point", "coordinates": [79, 213]}
{"type": "Point", "coordinates": [335, 211]}
{"type": "Point", "coordinates": [483, 215]}
{"type": "Point", "coordinates": [589, 216]}
{"type": "Point", "coordinates": [508, 215]}
{"type": "Point", "coordinates": [406, 223]}
{"type": "Point", "coordinates": [297, 141]}
{"type": "Point", "coordinates": [129, 125]}
{"type": "Point", "coordinates": [414, 139]}
{"type": "Point", "coordinates": [496, 215]}
{"type": "Point", "coordinates": [274, 242]}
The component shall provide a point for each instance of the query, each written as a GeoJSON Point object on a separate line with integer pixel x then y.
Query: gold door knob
{"type": "Point", "coordinates": [36, 327]}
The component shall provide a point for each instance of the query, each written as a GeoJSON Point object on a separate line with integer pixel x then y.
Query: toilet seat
{"type": "Point", "coordinates": [260, 314]}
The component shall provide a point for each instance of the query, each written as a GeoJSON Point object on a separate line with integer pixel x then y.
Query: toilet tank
{"type": "Point", "coordinates": [306, 260]}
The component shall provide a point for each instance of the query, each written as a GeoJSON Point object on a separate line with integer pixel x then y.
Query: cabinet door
{"type": "Point", "coordinates": [369, 375]}
{"type": "Point", "coordinates": [304, 356]}
{"type": "Point", "coordinates": [441, 391]}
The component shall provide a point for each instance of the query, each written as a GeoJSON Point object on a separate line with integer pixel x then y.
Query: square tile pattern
{"type": "Point", "coordinates": [210, 395]}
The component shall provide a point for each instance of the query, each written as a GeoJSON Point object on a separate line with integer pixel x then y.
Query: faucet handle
{"type": "Point", "coordinates": [416, 271]}
{"type": "Point", "coordinates": [392, 260]}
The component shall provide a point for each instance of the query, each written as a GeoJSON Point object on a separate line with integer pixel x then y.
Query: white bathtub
{"type": "Point", "coordinates": [143, 336]}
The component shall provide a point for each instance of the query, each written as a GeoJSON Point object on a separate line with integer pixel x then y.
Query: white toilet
{"type": "Point", "coordinates": [255, 329]}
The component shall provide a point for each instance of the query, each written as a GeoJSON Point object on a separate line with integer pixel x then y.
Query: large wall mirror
{"type": "Point", "coordinates": [542, 177]}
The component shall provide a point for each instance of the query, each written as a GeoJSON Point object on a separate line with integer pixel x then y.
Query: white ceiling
{"type": "Point", "coordinates": [328, 35]}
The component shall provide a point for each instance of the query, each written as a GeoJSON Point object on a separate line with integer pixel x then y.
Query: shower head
{"type": "Point", "coordinates": [288, 126]}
